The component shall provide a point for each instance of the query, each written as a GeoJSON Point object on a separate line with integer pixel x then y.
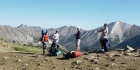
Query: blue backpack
{"type": "Point", "coordinates": [106, 45]}
{"type": "Point", "coordinates": [43, 32]}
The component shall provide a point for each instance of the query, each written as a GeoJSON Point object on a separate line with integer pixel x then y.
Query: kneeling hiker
{"type": "Point", "coordinates": [45, 41]}
{"type": "Point", "coordinates": [103, 39]}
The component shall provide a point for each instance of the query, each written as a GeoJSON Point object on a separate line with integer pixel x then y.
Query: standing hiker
{"type": "Point", "coordinates": [104, 38]}
{"type": "Point", "coordinates": [56, 39]}
{"type": "Point", "coordinates": [53, 51]}
{"type": "Point", "coordinates": [45, 41]}
{"type": "Point", "coordinates": [78, 40]}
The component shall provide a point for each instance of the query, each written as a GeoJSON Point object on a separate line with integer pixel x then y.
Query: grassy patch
{"type": "Point", "coordinates": [19, 49]}
{"type": "Point", "coordinates": [2, 63]}
{"type": "Point", "coordinates": [28, 49]}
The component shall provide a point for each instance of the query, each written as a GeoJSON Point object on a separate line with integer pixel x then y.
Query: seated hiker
{"type": "Point", "coordinates": [45, 41]}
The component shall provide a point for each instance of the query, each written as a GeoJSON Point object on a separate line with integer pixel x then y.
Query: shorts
{"type": "Point", "coordinates": [78, 42]}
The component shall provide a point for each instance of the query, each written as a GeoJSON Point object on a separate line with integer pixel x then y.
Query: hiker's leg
{"type": "Point", "coordinates": [56, 46]}
{"type": "Point", "coordinates": [78, 45]}
{"type": "Point", "coordinates": [101, 43]}
{"type": "Point", "coordinates": [44, 47]}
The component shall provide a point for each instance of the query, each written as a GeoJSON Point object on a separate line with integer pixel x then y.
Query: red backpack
{"type": "Point", "coordinates": [76, 54]}
{"type": "Point", "coordinates": [45, 37]}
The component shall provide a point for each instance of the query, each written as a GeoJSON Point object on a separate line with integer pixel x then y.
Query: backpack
{"type": "Point", "coordinates": [43, 32]}
{"type": "Point", "coordinates": [45, 37]}
{"type": "Point", "coordinates": [54, 52]}
{"type": "Point", "coordinates": [68, 55]}
{"type": "Point", "coordinates": [76, 54]}
{"type": "Point", "coordinates": [106, 45]}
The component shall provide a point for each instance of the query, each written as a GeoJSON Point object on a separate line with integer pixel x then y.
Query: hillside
{"type": "Point", "coordinates": [11, 34]}
{"type": "Point", "coordinates": [134, 42]}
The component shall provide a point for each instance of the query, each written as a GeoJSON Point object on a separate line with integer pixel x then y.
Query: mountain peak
{"type": "Point", "coordinates": [118, 21]}
{"type": "Point", "coordinates": [22, 25]}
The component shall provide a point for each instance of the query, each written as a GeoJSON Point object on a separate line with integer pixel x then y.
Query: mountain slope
{"type": "Point", "coordinates": [133, 42]}
{"type": "Point", "coordinates": [30, 30]}
{"type": "Point", "coordinates": [9, 33]}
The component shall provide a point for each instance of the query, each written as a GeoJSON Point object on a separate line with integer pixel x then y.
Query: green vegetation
{"type": "Point", "coordinates": [28, 49]}
{"type": "Point", "coordinates": [2, 63]}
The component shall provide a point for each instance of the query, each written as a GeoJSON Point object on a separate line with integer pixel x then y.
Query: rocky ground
{"type": "Point", "coordinates": [122, 59]}
{"type": "Point", "coordinates": [115, 60]}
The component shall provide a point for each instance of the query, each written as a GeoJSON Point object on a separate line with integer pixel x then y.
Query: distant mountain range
{"type": "Point", "coordinates": [120, 35]}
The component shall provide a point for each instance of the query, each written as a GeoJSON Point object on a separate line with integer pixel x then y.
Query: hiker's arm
{"type": "Point", "coordinates": [54, 38]}
{"type": "Point", "coordinates": [43, 39]}
{"type": "Point", "coordinates": [100, 30]}
{"type": "Point", "coordinates": [48, 39]}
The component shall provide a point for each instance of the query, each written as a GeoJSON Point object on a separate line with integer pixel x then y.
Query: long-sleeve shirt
{"type": "Point", "coordinates": [78, 35]}
{"type": "Point", "coordinates": [104, 32]}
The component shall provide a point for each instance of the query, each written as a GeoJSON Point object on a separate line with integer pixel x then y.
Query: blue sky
{"type": "Point", "coordinates": [87, 14]}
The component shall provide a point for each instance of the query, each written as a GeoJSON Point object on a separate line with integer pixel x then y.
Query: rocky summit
{"type": "Point", "coordinates": [18, 57]}
{"type": "Point", "coordinates": [93, 61]}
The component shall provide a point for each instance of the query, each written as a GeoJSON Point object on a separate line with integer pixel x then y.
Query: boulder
{"type": "Point", "coordinates": [128, 49]}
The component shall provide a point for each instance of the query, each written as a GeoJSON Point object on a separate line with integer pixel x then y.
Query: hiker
{"type": "Point", "coordinates": [53, 51]}
{"type": "Point", "coordinates": [104, 38]}
{"type": "Point", "coordinates": [78, 36]}
{"type": "Point", "coordinates": [56, 39]}
{"type": "Point", "coordinates": [45, 41]}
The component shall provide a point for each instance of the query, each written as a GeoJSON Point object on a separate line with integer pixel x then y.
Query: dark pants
{"type": "Point", "coordinates": [44, 47]}
{"type": "Point", "coordinates": [106, 45]}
